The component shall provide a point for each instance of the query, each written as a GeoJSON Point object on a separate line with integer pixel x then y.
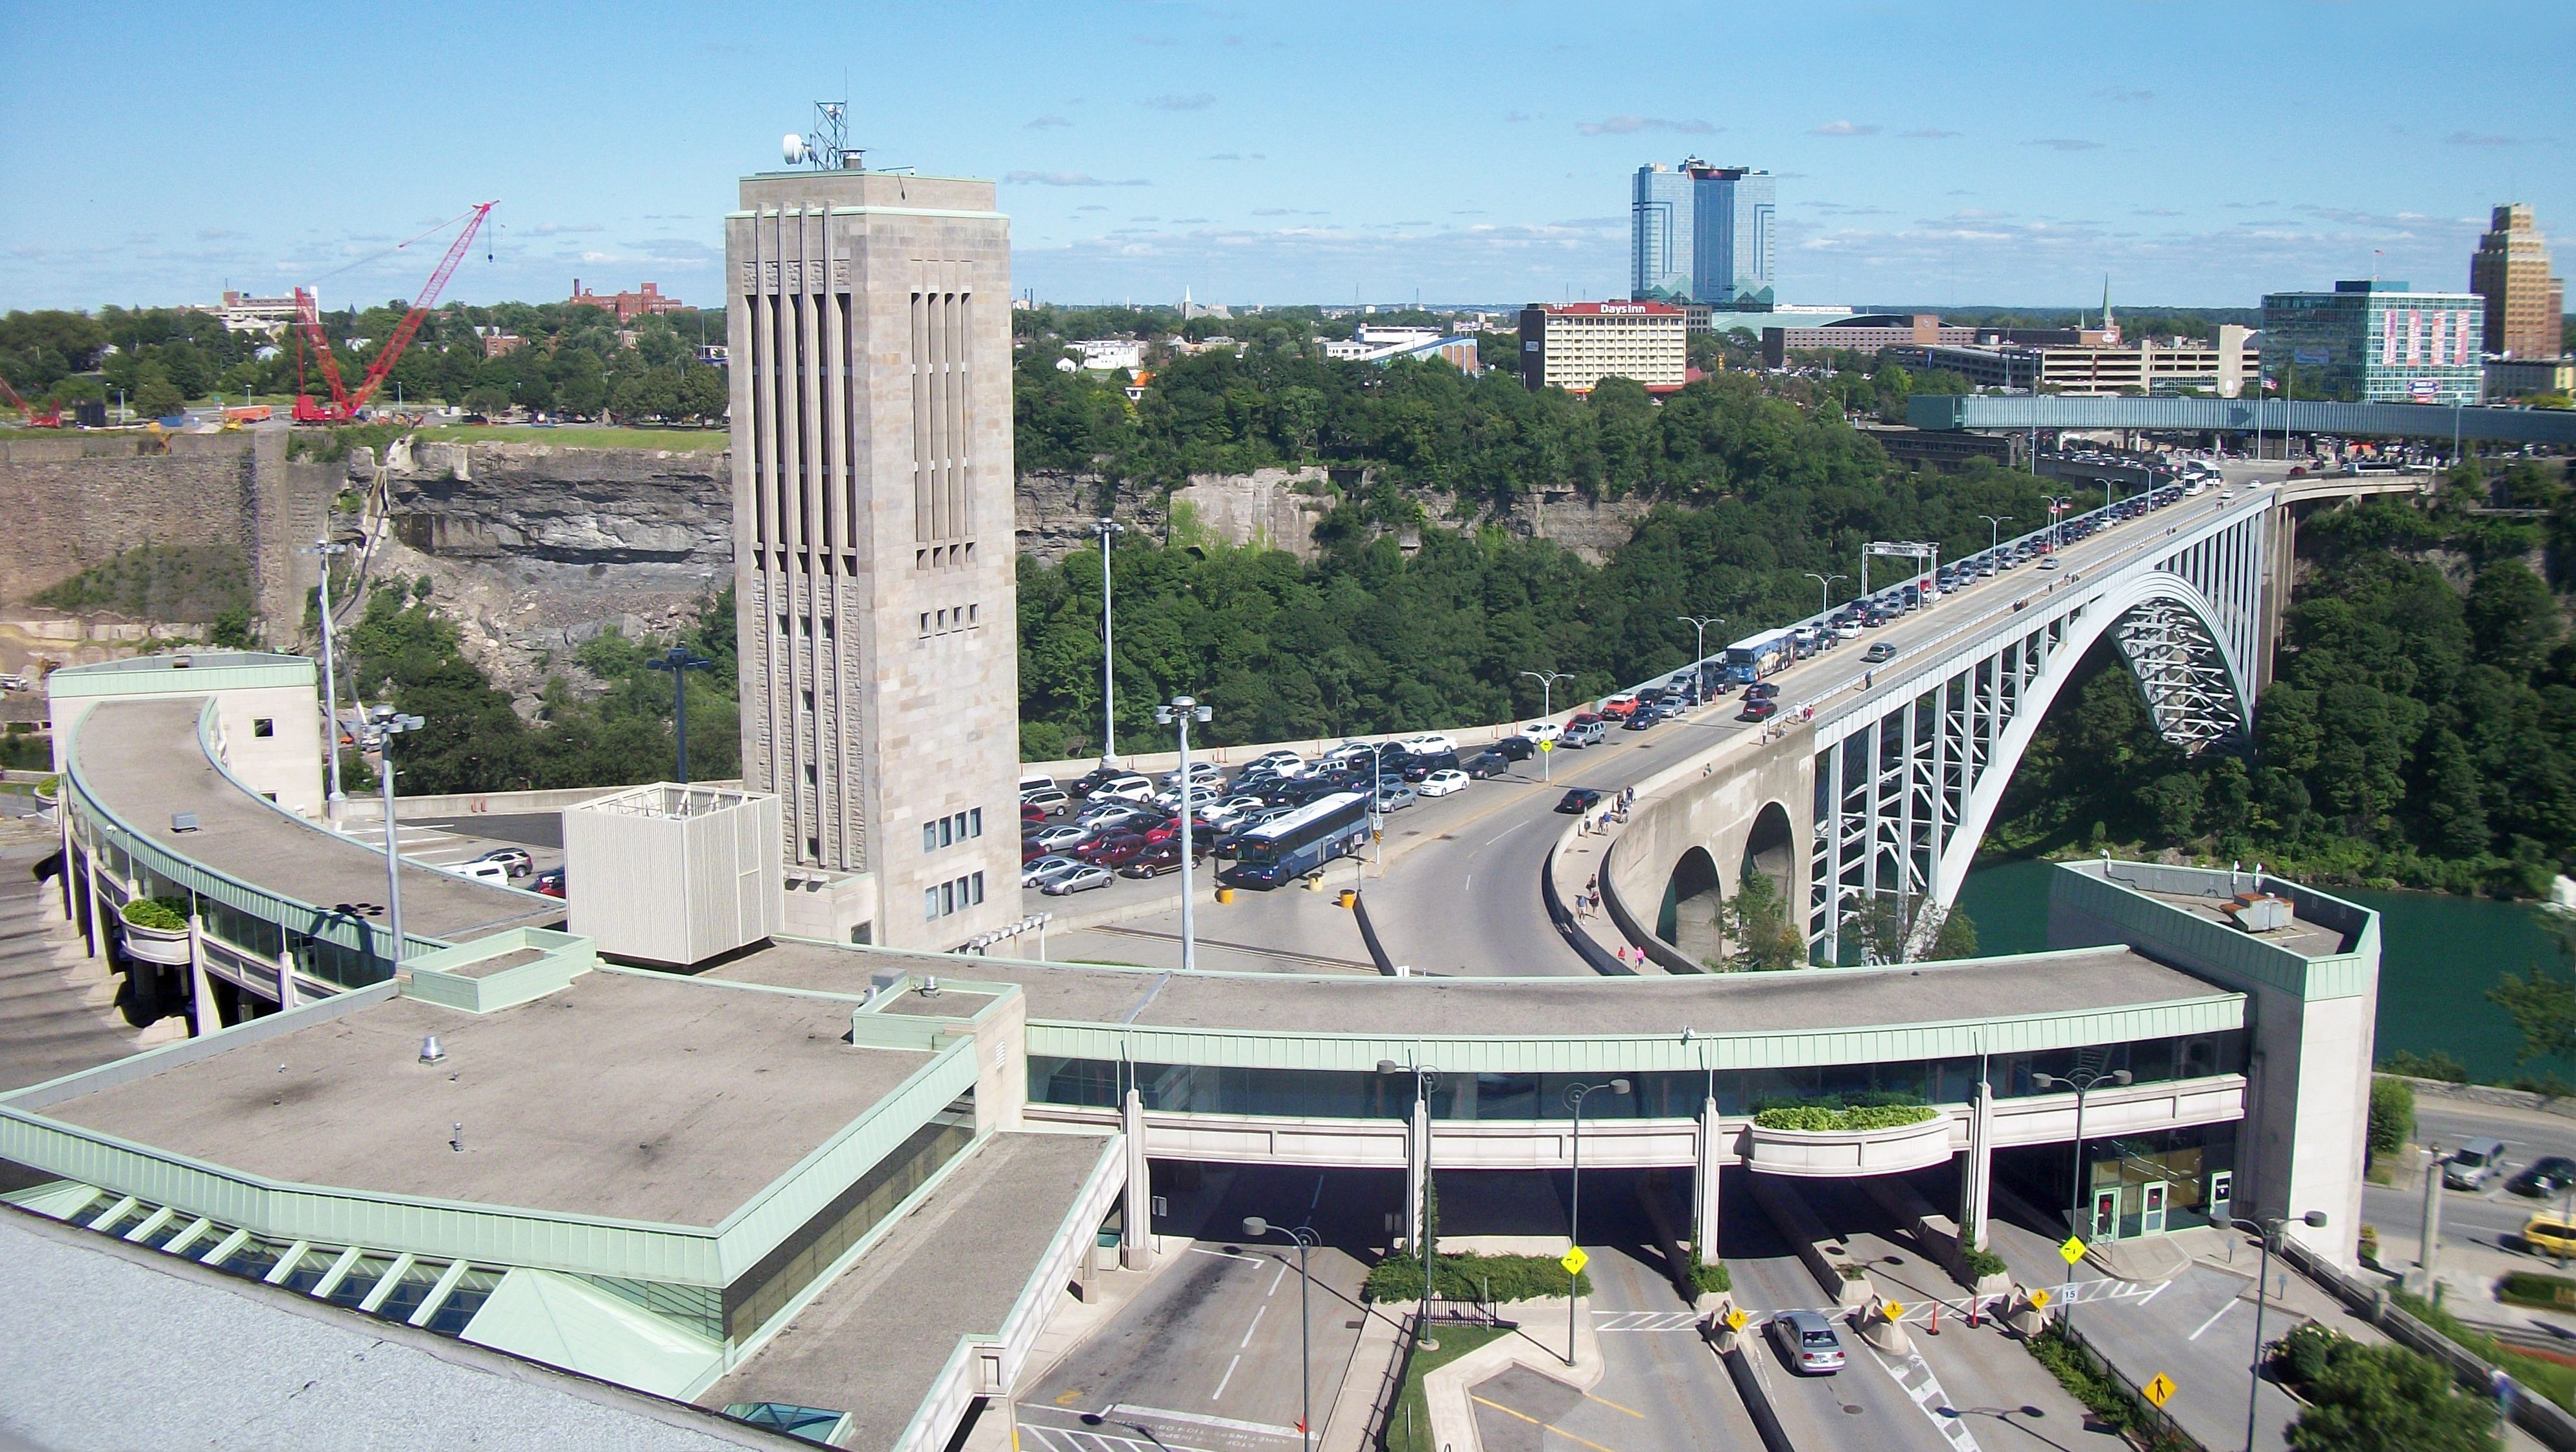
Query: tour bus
{"type": "Point", "coordinates": [1300, 842]}
{"type": "Point", "coordinates": [1750, 660]}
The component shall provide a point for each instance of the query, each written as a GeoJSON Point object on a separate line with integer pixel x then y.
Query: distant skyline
{"type": "Point", "coordinates": [2009, 153]}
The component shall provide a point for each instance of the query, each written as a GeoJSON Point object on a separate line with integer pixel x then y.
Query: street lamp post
{"type": "Point", "coordinates": [679, 661]}
{"type": "Point", "coordinates": [325, 549]}
{"type": "Point", "coordinates": [1181, 712]}
{"type": "Point", "coordinates": [1547, 708]}
{"type": "Point", "coordinates": [2083, 1082]}
{"type": "Point", "coordinates": [1574, 1200]}
{"type": "Point", "coordinates": [2058, 504]}
{"type": "Point", "coordinates": [1107, 529]}
{"type": "Point", "coordinates": [390, 724]}
{"type": "Point", "coordinates": [1254, 1228]}
{"type": "Point", "coordinates": [1826, 584]}
{"type": "Point", "coordinates": [1699, 663]}
{"type": "Point", "coordinates": [1377, 819]}
{"type": "Point", "coordinates": [1994, 533]}
{"type": "Point", "coordinates": [1425, 1079]}
{"type": "Point", "coordinates": [2315, 1219]}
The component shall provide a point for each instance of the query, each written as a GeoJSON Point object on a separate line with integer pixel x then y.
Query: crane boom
{"type": "Point", "coordinates": [50, 419]}
{"type": "Point", "coordinates": [344, 404]}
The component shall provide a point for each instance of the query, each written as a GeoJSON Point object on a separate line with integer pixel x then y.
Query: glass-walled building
{"type": "Point", "coordinates": [2375, 341]}
{"type": "Point", "coordinates": [1704, 234]}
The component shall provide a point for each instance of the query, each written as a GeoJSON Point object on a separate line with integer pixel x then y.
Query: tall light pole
{"type": "Point", "coordinates": [2083, 1082]}
{"type": "Point", "coordinates": [1574, 1199]}
{"type": "Point", "coordinates": [1180, 713]}
{"type": "Point", "coordinates": [1827, 583]}
{"type": "Point", "coordinates": [1108, 529]}
{"type": "Point", "coordinates": [390, 724]}
{"type": "Point", "coordinates": [1699, 663]}
{"type": "Point", "coordinates": [679, 662]}
{"type": "Point", "coordinates": [1377, 819]}
{"type": "Point", "coordinates": [1425, 1079]}
{"type": "Point", "coordinates": [325, 549]}
{"type": "Point", "coordinates": [1995, 532]}
{"type": "Point", "coordinates": [1254, 1228]}
{"type": "Point", "coordinates": [2057, 504]}
{"type": "Point", "coordinates": [1547, 707]}
{"type": "Point", "coordinates": [2315, 1219]}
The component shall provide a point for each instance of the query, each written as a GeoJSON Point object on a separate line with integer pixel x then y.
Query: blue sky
{"type": "Point", "coordinates": [1480, 151]}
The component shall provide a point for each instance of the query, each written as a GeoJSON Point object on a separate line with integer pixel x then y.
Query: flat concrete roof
{"type": "Point", "coordinates": [1843, 998]}
{"type": "Point", "coordinates": [632, 1096]}
{"type": "Point", "coordinates": [143, 761]}
{"type": "Point", "coordinates": [2304, 936]}
{"type": "Point", "coordinates": [871, 1342]}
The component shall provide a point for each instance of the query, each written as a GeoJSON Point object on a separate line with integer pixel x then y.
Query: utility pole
{"type": "Point", "coordinates": [1181, 712]}
{"type": "Point", "coordinates": [679, 662]}
{"type": "Point", "coordinates": [1699, 664]}
{"type": "Point", "coordinates": [1827, 583]}
{"type": "Point", "coordinates": [325, 549]}
{"type": "Point", "coordinates": [2428, 1259]}
{"type": "Point", "coordinates": [390, 724]}
{"type": "Point", "coordinates": [1107, 529]}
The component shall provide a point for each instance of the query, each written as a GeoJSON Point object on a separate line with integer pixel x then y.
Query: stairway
{"type": "Point", "coordinates": [53, 1020]}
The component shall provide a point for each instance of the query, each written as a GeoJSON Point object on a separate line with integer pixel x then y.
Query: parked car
{"type": "Point", "coordinates": [2473, 1164]}
{"type": "Point", "coordinates": [1541, 730]}
{"type": "Point", "coordinates": [1619, 705]}
{"type": "Point", "coordinates": [2548, 1235]}
{"type": "Point", "coordinates": [1129, 788]}
{"type": "Point", "coordinates": [1489, 762]}
{"type": "Point", "coordinates": [1162, 857]}
{"type": "Point", "coordinates": [1758, 709]}
{"type": "Point", "coordinates": [1278, 763]}
{"type": "Point", "coordinates": [1048, 869]}
{"type": "Point", "coordinates": [1419, 765]}
{"type": "Point", "coordinates": [1882, 651]}
{"type": "Point", "coordinates": [515, 860]}
{"type": "Point", "coordinates": [1090, 781]}
{"type": "Point", "coordinates": [1762, 691]}
{"type": "Point", "coordinates": [1807, 1342]}
{"type": "Point", "coordinates": [550, 883]}
{"type": "Point", "coordinates": [1113, 851]}
{"type": "Point", "coordinates": [1515, 748]}
{"type": "Point", "coordinates": [1049, 799]}
{"type": "Point", "coordinates": [1578, 799]}
{"type": "Point", "coordinates": [1442, 783]}
{"type": "Point", "coordinates": [1642, 717]}
{"type": "Point", "coordinates": [1428, 743]}
{"type": "Point", "coordinates": [1081, 879]}
{"type": "Point", "coordinates": [491, 872]}
{"type": "Point", "coordinates": [1396, 798]}
{"type": "Point", "coordinates": [2548, 1175]}
{"type": "Point", "coordinates": [1583, 733]}
{"type": "Point", "coordinates": [1035, 782]}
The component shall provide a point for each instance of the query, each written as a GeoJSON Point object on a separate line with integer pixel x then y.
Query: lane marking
{"type": "Point", "coordinates": [1257, 1313]}
{"type": "Point", "coordinates": [2224, 1307]}
{"type": "Point", "coordinates": [1200, 1418]}
{"type": "Point", "coordinates": [1535, 1422]}
{"type": "Point", "coordinates": [2158, 1291]}
{"type": "Point", "coordinates": [1614, 1406]}
{"type": "Point", "coordinates": [1229, 1376]}
{"type": "Point", "coordinates": [1275, 1280]}
{"type": "Point", "coordinates": [1225, 1254]}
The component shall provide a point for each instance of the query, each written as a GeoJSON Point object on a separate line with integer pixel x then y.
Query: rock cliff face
{"type": "Point", "coordinates": [533, 548]}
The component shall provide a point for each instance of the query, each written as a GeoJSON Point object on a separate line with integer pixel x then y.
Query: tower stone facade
{"type": "Point", "coordinates": [869, 320]}
{"type": "Point", "coordinates": [2511, 271]}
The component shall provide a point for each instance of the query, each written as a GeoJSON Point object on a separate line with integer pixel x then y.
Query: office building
{"type": "Point", "coordinates": [2095, 369]}
{"type": "Point", "coordinates": [2524, 377]}
{"type": "Point", "coordinates": [872, 512]}
{"type": "Point", "coordinates": [1703, 234]}
{"type": "Point", "coordinates": [242, 313]}
{"type": "Point", "coordinates": [1575, 345]}
{"type": "Point", "coordinates": [2375, 341]}
{"type": "Point", "coordinates": [1385, 344]}
{"type": "Point", "coordinates": [2523, 302]}
{"type": "Point", "coordinates": [1864, 333]}
{"type": "Point", "coordinates": [628, 306]}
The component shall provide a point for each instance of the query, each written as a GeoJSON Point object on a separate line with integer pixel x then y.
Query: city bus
{"type": "Point", "coordinates": [1300, 842]}
{"type": "Point", "coordinates": [1751, 659]}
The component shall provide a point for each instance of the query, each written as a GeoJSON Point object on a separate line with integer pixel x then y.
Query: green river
{"type": "Point", "coordinates": [2438, 957]}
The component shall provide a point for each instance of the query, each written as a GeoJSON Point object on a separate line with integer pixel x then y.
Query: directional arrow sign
{"type": "Point", "coordinates": [1574, 1261]}
{"type": "Point", "coordinates": [2072, 1251]}
{"type": "Point", "coordinates": [2158, 1391]}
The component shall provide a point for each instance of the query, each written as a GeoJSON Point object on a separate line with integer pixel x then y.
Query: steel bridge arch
{"type": "Point", "coordinates": [1934, 761]}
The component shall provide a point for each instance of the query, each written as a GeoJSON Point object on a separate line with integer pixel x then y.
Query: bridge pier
{"type": "Point", "coordinates": [1710, 1155]}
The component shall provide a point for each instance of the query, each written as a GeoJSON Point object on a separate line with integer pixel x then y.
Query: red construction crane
{"type": "Point", "coordinates": [51, 418]}
{"type": "Point", "coordinates": [345, 404]}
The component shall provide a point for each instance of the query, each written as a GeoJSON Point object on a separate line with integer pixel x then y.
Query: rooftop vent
{"type": "Point", "coordinates": [2259, 912]}
{"type": "Point", "coordinates": [430, 1052]}
{"type": "Point", "coordinates": [183, 821]}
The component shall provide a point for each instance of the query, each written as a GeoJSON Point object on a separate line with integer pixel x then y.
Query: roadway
{"type": "Point", "coordinates": [2491, 1217]}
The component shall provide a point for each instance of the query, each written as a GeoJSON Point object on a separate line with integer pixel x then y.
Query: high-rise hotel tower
{"type": "Point", "coordinates": [869, 321]}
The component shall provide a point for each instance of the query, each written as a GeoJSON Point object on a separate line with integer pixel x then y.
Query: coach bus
{"type": "Point", "coordinates": [1300, 842]}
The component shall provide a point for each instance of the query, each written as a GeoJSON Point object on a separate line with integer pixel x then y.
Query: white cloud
{"type": "Point", "coordinates": [1043, 122]}
{"type": "Point", "coordinates": [2066, 143]}
{"type": "Point", "coordinates": [1070, 179]}
{"type": "Point", "coordinates": [1843, 128]}
{"type": "Point", "coordinates": [1194, 101]}
{"type": "Point", "coordinates": [1628, 125]}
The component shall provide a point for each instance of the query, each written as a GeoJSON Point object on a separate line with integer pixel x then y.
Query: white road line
{"type": "Point", "coordinates": [2224, 1308]}
{"type": "Point", "coordinates": [2158, 1291]}
{"type": "Point", "coordinates": [1275, 1280]}
{"type": "Point", "coordinates": [1227, 1255]}
{"type": "Point", "coordinates": [1469, 885]}
{"type": "Point", "coordinates": [1257, 1313]}
{"type": "Point", "coordinates": [1229, 1423]}
{"type": "Point", "coordinates": [1229, 1376]}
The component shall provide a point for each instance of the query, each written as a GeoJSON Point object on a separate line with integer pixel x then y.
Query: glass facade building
{"type": "Point", "coordinates": [1704, 234]}
{"type": "Point", "coordinates": [2375, 342]}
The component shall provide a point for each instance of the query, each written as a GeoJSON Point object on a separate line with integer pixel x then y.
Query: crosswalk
{"type": "Point", "coordinates": [1038, 1437]}
{"type": "Point", "coordinates": [1914, 1377]}
{"type": "Point", "coordinates": [1644, 1320]}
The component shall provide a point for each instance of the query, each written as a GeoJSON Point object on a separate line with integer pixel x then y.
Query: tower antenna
{"type": "Point", "coordinates": [828, 147]}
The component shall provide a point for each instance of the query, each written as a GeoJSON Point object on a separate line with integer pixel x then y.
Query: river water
{"type": "Point", "coordinates": [2438, 957]}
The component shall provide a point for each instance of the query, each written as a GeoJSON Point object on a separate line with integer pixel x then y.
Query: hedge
{"type": "Point", "coordinates": [2531, 1288]}
{"type": "Point", "coordinates": [1710, 1280]}
{"type": "Point", "coordinates": [1468, 1276]}
{"type": "Point", "coordinates": [167, 914]}
{"type": "Point", "coordinates": [1815, 1117]}
{"type": "Point", "coordinates": [1982, 1262]}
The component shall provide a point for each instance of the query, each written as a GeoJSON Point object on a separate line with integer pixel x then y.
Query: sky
{"type": "Point", "coordinates": [1455, 151]}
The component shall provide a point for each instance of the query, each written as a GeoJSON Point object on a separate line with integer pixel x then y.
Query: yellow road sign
{"type": "Point", "coordinates": [2072, 1251]}
{"type": "Point", "coordinates": [2158, 1391]}
{"type": "Point", "coordinates": [1574, 1261]}
{"type": "Point", "coordinates": [1735, 1318]}
{"type": "Point", "coordinates": [1892, 1310]}
{"type": "Point", "coordinates": [2039, 1299]}
{"type": "Point", "coordinates": [1547, 746]}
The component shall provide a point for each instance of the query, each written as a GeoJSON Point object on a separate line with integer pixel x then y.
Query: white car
{"type": "Point", "coordinates": [1285, 763]}
{"type": "Point", "coordinates": [1542, 730]}
{"type": "Point", "coordinates": [1442, 783]}
{"type": "Point", "coordinates": [1124, 789]}
{"type": "Point", "coordinates": [1430, 743]}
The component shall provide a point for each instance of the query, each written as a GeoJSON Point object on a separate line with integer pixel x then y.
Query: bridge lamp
{"type": "Point", "coordinates": [325, 549]}
{"type": "Point", "coordinates": [1574, 1201]}
{"type": "Point", "coordinates": [1699, 665]}
{"type": "Point", "coordinates": [390, 724]}
{"type": "Point", "coordinates": [2083, 1082]}
{"type": "Point", "coordinates": [1182, 711]}
{"type": "Point", "coordinates": [1256, 1228]}
{"type": "Point", "coordinates": [2270, 1230]}
{"type": "Point", "coordinates": [1547, 707]}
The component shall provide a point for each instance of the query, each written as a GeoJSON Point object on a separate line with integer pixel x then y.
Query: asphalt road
{"type": "Point", "coordinates": [2493, 1216]}
{"type": "Point", "coordinates": [1206, 1358]}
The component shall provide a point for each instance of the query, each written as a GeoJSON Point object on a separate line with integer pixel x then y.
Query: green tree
{"type": "Point", "coordinates": [2385, 1398]}
{"type": "Point", "coordinates": [2543, 1005]}
{"type": "Point", "coordinates": [2512, 617]}
{"type": "Point", "coordinates": [2392, 1115]}
{"type": "Point", "coordinates": [1759, 928]}
{"type": "Point", "coordinates": [155, 396]}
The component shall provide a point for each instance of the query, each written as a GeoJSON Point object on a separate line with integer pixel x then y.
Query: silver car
{"type": "Point", "coordinates": [1808, 1341]}
{"type": "Point", "coordinates": [1048, 869]}
{"type": "Point", "coordinates": [1083, 878]}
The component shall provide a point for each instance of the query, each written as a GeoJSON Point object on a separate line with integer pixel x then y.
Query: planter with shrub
{"type": "Point", "coordinates": [156, 930]}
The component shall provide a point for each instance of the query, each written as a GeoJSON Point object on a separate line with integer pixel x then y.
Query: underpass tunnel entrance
{"type": "Point", "coordinates": [1693, 903]}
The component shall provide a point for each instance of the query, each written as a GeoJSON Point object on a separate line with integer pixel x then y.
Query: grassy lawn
{"type": "Point", "coordinates": [686, 440]}
{"type": "Point", "coordinates": [1408, 1427]}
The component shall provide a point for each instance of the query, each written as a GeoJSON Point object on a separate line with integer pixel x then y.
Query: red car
{"type": "Point", "coordinates": [1115, 851]}
{"type": "Point", "coordinates": [1760, 708]}
{"type": "Point", "coordinates": [1030, 851]}
{"type": "Point", "coordinates": [1162, 857]}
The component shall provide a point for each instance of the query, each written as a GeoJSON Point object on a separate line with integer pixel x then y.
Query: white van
{"type": "Point", "coordinates": [1125, 789]}
{"type": "Point", "coordinates": [495, 873]}
{"type": "Point", "coordinates": [1033, 783]}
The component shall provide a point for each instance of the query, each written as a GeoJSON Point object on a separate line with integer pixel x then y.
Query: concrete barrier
{"type": "Point", "coordinates": [1368, 935]}
{"type": "Point", "coordinates": [1602, 959]}
{"type": "Point", "coordinates": [370, 807]}
{"type": "Point", "coordinates": [1797, 1224]}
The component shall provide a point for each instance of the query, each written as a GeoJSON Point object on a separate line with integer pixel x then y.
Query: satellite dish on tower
{"type": "Point", "coordinates": [829, 148]}
{"type": "Point", "coordinates": [793, 148]}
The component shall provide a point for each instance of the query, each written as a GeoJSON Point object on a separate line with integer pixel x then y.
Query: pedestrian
{"type": "Point", "coordinates": [1868, 679]}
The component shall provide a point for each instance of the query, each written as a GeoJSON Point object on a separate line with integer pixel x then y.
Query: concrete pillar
{"type": "Point", "coordinates": [202, 1016]}
{"type": "Point", "coordinates": [1977, 1167]}
{"type": "Point", "coordinates": [1138, 1250]}
{"type": "Point", "coordinates": [97, 924]}
{"type": "Point", "coordinates": [1704, 1183]}
{"type": "Point", "coordinates": [1417, 1163]}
